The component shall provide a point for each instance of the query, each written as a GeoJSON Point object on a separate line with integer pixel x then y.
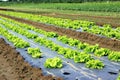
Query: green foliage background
{"type": "Point", "coordinates": [60, 1]}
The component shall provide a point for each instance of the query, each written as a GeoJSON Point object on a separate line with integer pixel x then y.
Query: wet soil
{"type": "Point", "coordinates": [13, 67]}
{"type": "Point", "coordinates": [110, 43]}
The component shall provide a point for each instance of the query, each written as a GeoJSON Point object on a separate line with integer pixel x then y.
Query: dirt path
{"type": "Point", "coordinates": [13, 67]}
{"type": "Point", "coordinates": [82, 36]}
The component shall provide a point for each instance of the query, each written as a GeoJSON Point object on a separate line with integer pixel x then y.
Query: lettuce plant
{"type": "Point", "coordinates": [82, 45]}
{"type": "Point", "coordinates": [95, 64]}
{"type": "Point", "coordinates": [91, 48]}
{"type": "Point", "coordinates": [73, 42]}
{"type": "Point", "coordinates": [102, 52]}
{"type": "Point", "coordinates": [70, 53]}
{"type": "Point", "coordinates": [55, 62]}
{"type": "Point", "coordinates": [62, 50]}
{"type": "Point", "coordinates": [55, 47]}
{"type": "Point", "coordinates": [21, 44]}
{"type": "Point", "coordinates": [64, 39]}
{"type": "Point", "coordinates": [82, 57]}
{"type": "Point", "coordinates": [51, 34]}
{"type": "Point", "coordinates": [34, 52]}
{"type": "Point", "coordinates": [114, 56]}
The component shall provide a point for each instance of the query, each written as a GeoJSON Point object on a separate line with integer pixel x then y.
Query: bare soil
{"type": "Point", "coordinates": [112, 44]}
{"type": "Point", "coordinates": [13, 67]}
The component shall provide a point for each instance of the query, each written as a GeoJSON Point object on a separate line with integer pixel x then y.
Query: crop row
{"type": "Point", "coordinates": [65, 23]}
{"type": "Point", "coordinates": [55, 62]}
{"type": "Point", "coordinates": [19, 30]}
{"type": "Point", "coordinates": [86, 26]}
{"type": "Point", "coordinates": [75, 5]}
{"type": "Point", "coordinates": [81, 57]}
{"type": "Point", "coordinates": [18, 42]}
{"type": "Point", "coordinates": [28, 27]}
{"type": "Point", "coordinates": [77, 56]}
{"type": "Point", "coordinates": [34, 52]}
{"type": "Point", "coordinates": [67, 52]}
{"type": "Point", "coordinates": [112, 55]}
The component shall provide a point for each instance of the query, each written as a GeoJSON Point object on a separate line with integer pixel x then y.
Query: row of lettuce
{"type": "Point", "coordinates": [81, 57]}
{"type": "Point", "coordinates": [35, 52]}
{"type": "Point", "coordinates": [18, 42]}
{"type": "Point", "coordinates": [86, 26]}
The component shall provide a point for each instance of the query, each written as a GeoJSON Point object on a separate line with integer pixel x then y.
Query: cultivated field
{"type": "Point", "coordinates": [71, 49]}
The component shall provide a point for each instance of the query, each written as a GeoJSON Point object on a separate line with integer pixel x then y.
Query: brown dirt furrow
{"type": "Point", "coordinates": [82, 36]}
{"type": "Point", "coordinates": [5, 9]}
{"type": "Point", "coordinates": [105, 17]}
{"type": "Point", "coordinates": [13, 67]}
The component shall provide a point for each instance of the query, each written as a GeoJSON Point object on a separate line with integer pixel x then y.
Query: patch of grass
{"type": "Point", "coordinates": [88, 6]}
